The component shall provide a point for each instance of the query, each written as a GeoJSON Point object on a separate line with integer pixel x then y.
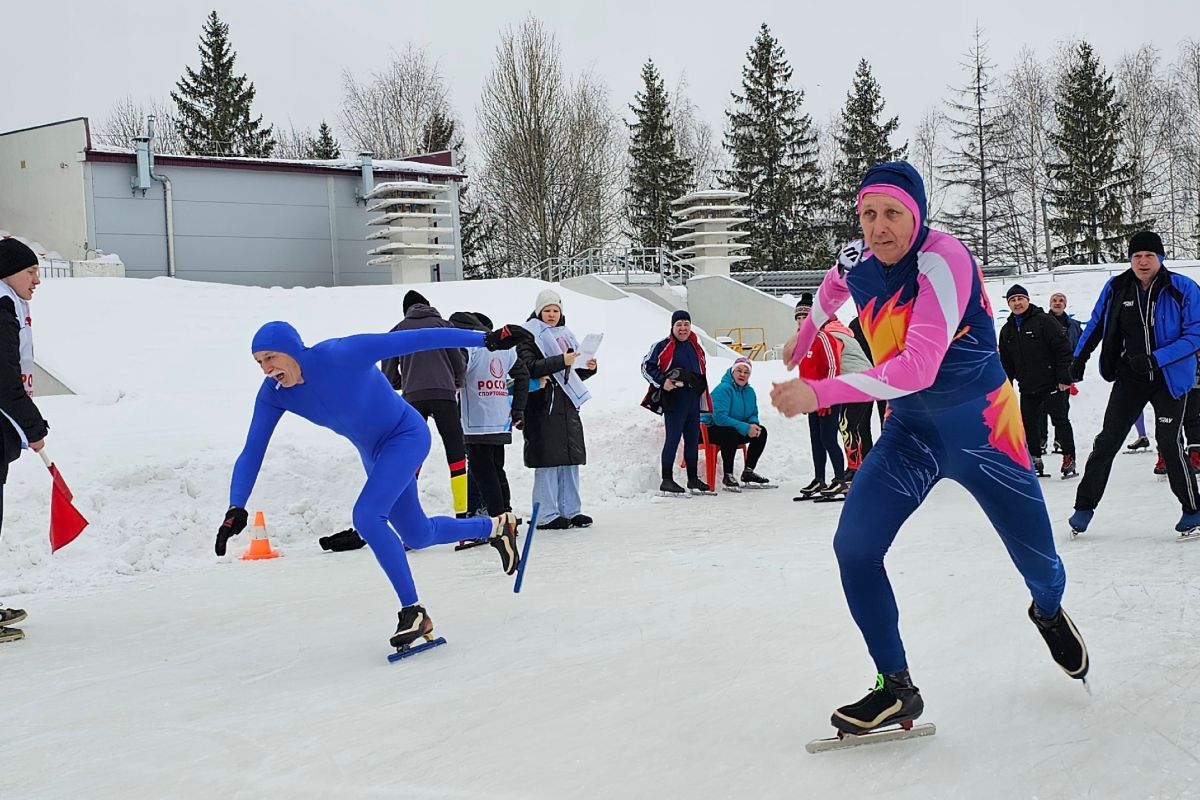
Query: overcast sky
{"type": "Point", "coordinates": [70, 58]}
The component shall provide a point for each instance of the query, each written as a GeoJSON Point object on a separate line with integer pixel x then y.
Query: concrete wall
{"type": "Point", "coordinates": [717, 303]}
{"type": "Point", "coordinates": [594, 286]}
{"type": "Point", "coordinates": [41, 186]}
{"type": "Point", "coordinates": [239, 226]}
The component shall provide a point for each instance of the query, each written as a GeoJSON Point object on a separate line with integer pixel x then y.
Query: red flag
{"type": "Point", "coordinates": [65, 520]}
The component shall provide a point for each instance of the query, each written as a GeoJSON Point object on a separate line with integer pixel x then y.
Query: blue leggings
{"type": "Point", "coordinates": [682, 420]}
{"type": "Point", "coordinates": [915, 451]}
{"type": "Point", "coordinates": [388, 511]}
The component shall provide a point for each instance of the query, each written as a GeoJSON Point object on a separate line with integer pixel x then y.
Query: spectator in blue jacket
{"type": "Point", "coordinates": [734, 422]}
{"type": "Point", "coordinates": [1147, 325]}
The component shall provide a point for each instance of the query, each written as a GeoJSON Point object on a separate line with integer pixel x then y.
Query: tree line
{"type": "Point", "coordinates": [1064, 149]}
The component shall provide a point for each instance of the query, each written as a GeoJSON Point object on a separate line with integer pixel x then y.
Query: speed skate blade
{"type": "Point", "coordinates": [760, 485]}
{"type": "Point", "coordinates": [1188, 536]}
{"type": "Point", "coordinates": [414, 649]}
{"type": "Point", "coordinates": [875, 737]}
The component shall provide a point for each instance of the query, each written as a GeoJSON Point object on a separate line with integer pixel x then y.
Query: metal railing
{"type": "Point", "coordinates": [617, 263]}
{"type": "Point", "coordinates": [55, 268]}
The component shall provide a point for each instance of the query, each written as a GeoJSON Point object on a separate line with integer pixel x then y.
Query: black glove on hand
{"type": "Point", "coordinates": [1077, 367]}
{"type": "Point", "coordinates": [1142, 364]}
{"type": "Point", "coordinates": [506, 338]}
{"type": "Point", "coordinates": [235, 523]}
{"type": "Point", "coordinates": [518, 419]}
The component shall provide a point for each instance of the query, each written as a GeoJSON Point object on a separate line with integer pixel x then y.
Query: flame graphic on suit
{"type": "Point", "coordinates": [1006, 430]}
{"type": "Point", "coordinates": [886, 328]}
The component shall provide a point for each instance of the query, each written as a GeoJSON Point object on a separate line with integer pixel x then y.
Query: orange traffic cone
{"type": "Point", "coordinates": [260, 545]}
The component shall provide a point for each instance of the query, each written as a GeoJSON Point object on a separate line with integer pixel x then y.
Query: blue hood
{"type": "Point", "coordinates": [279, 337]}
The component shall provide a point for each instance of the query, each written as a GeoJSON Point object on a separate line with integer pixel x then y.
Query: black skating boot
{"type": "Point", "coordinates": [697, 486]}
{"type": "Point", "coordinates": [730, 484]}
{"type": "Point", "coordinates": [669, 486]}
{"type": "Point", "coordinates": [835, 491]}
{"type": "Point", "coordinates": [504, 539]}
{"type": "Point", "coordinates": [11, 616]}
{"type": "Point", "coordinates": [812, 490]}
{"type": "Point", "coordinates": [893, 700]}
{"type": "Point", "coordinates": [1140, 443]}
{"type": "Point", "coordinates": [1039, 467]}
{"type": "Point", "coordinates": [1066, 645]}
{"type": "Point", "coordinates": [413, 624]}
{"type": "Point", "coordinates": [11, 635]}
{"type": "Point", "coordinates": [750, 476]}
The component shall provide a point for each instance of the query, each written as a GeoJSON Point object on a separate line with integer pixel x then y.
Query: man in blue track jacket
{"type": "Point", "coordinates": [1147, 325]}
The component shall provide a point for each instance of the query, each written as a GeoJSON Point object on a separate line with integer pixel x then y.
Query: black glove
{"type": "Point", "coordinates": [1077, 367]}
{"type": "Point", "coordinates": [518, 418]}
{"type": "Point", "coordinates": [506, 338]}
{"type": "Point", "coordinates": [235, 523]}
{"type": "Point", "coordinates": [1142, 364]}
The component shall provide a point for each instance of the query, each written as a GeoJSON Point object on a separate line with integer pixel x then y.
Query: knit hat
{"type": "Point", "coordinates": [411, 298]}
{"type": "Point", "coordinates": [742, 361]}
{"type": "Point", "coordinates": [546, 297]}
{"type": "Point", "coordinates": [1016, 290]}
{"type": "Point", "coordinates": [900, 180]}
{"type": "Point", "coordinates": [1146, 242]}
{"type": "Point", "coordinates": [679, 314]}
{"type": "Point", "coordinates": [15, 256]}
{"type": "Point", "coordinates": [484, 320]}
{"type": "Point", "coordinates": [805, 301]}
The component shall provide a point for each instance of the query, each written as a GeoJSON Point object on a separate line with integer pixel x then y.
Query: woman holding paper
{"type": "Point", "coordinates": [554, 441]}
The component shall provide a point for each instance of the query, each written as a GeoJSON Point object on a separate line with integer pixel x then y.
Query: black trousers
{"type": "Point", "coordinates": [1129, 395]}
{"type": "Point", "coordinates": [728, 439]}
{"type": "Point", "coordinates": [856, 432]}
{"type": "Point", "coordinates": [1035, 407]}
{"type": "Point", "coordinates": [823, 435]}
{"type": "Point", "coordinates": [449, 425]}
{"type": "Point", "coordinates": [487, 473]}
{"type": "Point", "coordinates": [1191, 419]}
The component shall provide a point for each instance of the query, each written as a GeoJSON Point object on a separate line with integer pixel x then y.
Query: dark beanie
{"type": "Point", "coordinates": [14, 257]}
{"type": "Point", "coordinates": [411, 298]}
{"type": "Point", "coordinates": [484, 320]}
{"type": "Point", "coordinates": [805, 300]}
{"type": "Point", "coordinates": [1016, 290]}
{"type": "Point", "coordinates": [1146, 242]}
{"type": "Point", "coordinates": [680, 314]}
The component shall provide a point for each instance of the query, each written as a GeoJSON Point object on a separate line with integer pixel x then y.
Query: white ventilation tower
{"type": "Point", "coordinates": [706, 221]}
{"type": "Point", "coordinates": [417, 223]}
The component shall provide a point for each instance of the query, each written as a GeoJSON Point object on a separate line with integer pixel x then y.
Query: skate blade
{"type": "Point", "coordinates": [698, 493]}
{"type": "Point", "coordinates": [760, 485]}
{"type": "Point", "coordinates": [805, 497]}
{"type": "Point", "coordinates": [469, 543]}
{"type": "Point", "coordinates": [732, 489]}
{"type": "Point", "coordinates": [840, 498]}
{"type": "Point", "coordinates": [1188, 536]}
{"type": "Point", "coordinates": [11, 635]}
{"type": "Point", "coordinates": [847, 740]}
{"type": "Point", "coordinates": [412, 650]}
{"type": "Point", "coordinates": [674, 495]}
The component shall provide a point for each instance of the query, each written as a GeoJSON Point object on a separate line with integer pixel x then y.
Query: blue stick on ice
{"type": "Point", "coordinates": [525, 550]}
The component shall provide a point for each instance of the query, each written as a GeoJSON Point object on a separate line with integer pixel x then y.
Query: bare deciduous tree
{"type": "Point", "coordinates": [695, 138]}
{"type": "Point", "coordinates": [127, 119]}
{"type": "Point", "coordinates": [389, 113]}
{"type": "Point", "coordinates": [926, 152]}
{"type": "Point", "coordinates": [1186, 74]}
{"type": "Point", "coordinates": [1142, 94]}
{"type": "Point", "coordinates": [552, 153]}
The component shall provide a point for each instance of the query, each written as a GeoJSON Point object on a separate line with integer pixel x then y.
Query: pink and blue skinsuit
{"type": "Point", "coordinates": [953, 414]}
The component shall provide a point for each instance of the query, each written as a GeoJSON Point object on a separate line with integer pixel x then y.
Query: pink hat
{"type": "Point", "coordinates": [742, 360]}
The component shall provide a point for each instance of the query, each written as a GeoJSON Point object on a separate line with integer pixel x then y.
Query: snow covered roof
{"type": "Point", "coordinates": [709, 194]}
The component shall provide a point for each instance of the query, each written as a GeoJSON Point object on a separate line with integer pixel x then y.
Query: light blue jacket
{"type": "Point", "coordinates": [733, 406]}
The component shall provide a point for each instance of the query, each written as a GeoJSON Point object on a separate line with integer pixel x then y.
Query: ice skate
{"type": "Point", "coordinates": [835, 493]}
{"type": "Point", "coordinates": [752, 480]}
{"type": "Point", "coordinates": [11, 616]}
{"type": "Point", "coordinates": [894, 700]}
{"type": "Point", "coordinates": [1068, 468]}
{"type": "Point", "coordinates": [413, 624]}
{"type": "Point", "coordinates": [697, 486]}
{"type": "Point", "coordinates": [669, 488]}
{"type": "Point", "coordinates": [1039, 468]}
{"type": "Point", "coordinates": [11, 635]}
{"type": "Point", "coordinates": [1194, 458]}
{"type": "Point", "coordinates": [812, 491]}
{"type": "Point", "coordinates": [1137, 445]}
{"type": "Point", "coordinates": [1160, 466]}
{"type": "Point", "coordinates": [1066, 645]}
{"type": "Point", "coordinates": [1080, 520]}
{"type": "Point", "coordinates": [1188, 526]}
{"type": "Point", "coordinates": [730, 484]}
{"type": "Point", "coordinates": [504, 539]}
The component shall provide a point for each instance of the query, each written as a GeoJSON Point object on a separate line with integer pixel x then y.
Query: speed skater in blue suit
{"type": "Point", "coordinates": [336, 384]}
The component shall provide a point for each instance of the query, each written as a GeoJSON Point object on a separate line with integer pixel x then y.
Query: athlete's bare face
{"type": "Point", "coordinates": [887, 226]}
{"type": "Point", "coordinates": [280, 366]}
{"type": "Point", "coordinates": [1146, 265]}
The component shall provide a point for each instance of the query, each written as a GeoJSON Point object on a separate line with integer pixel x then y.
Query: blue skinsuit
{"type": "Point", "coordinates": [343, 390]}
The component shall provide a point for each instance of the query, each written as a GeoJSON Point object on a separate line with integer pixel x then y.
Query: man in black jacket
{"type": "Point", "coordinates": [22, 425]}
{"type": "Point", "coordinates": [430, 381]}
{"type": "Point", "coordinates": [1035, 353]}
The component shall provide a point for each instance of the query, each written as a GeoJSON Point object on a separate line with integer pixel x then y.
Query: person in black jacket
{"type": "Point", "coordinates": [1035, 353]}
{"type": "Point", "coordinates": [430, 381]}
{"type": "Point", "coordinates": [554, 442]}
{"type": "Point", "coordinates": [23, 425]}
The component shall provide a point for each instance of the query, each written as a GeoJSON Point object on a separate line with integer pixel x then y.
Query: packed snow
{"type": "Point", "coordinates": [676, 649]}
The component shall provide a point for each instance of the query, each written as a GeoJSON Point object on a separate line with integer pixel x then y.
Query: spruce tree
{"type": "Point", "coordinates": [773, 154]}
{"type": "Point", "coordinates": [324, 146]}
{"type": "Point", "coordinates": [974, 159]}
{"type": "Point", "coordinates": [863, 141]}
{"type": "Point", "coordinates": [658, 173]}
{"type": "Point", "coordinates": [1087, 182]}
{"type": "Point", "coordinates": [214, 103]}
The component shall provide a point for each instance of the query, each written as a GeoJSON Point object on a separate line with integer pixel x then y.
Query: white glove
{"type": "Point", "coordinates": [850, 256]}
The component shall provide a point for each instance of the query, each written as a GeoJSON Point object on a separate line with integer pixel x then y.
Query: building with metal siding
{"type": "Point", "coordinates": [258, 222]}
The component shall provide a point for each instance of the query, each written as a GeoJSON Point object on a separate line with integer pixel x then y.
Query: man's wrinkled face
{"type": "Point", "coordinates": [24, 282]}
{"type": "Point", "coordinates": [1018, 304]}
{"type": "Point", "coordinates": [887, 226]}
{"type": "Point", "coordinates": [280, 366]}
{"type": "Point", "coordinates": [1058, 302]}
{"type": "Point", "coordinates": [1146, 265]}
{"type": "Point", "coordinates": [682, 329]}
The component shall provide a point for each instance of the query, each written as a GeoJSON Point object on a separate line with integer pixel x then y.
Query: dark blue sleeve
{"type": "Point", "coordinates": [1094, 330]}
{"type": "Point", "coordinates": [650, 370]}
{"type": "Point", "coordinates": [368, 348]}
{"type": "Point", "coordinates": [262, 425]}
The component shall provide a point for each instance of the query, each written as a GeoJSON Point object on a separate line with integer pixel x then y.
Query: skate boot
{"type": "Point", "coordinates": [11, 635]}
{"type": "Point", "coordinates": [504, 539]}
{"type": "Point", "coordinates": [413, 624]}
{"type": "Point", "coordinates": [1194, 458]}
{"type": "Point", "coordinates": [11, 616]}
{"type": "Point", "coordinates": [1066, 645]}
{"type": "Point", "coordinates": [893, 700]}
{"type": "Point", "coordinates": [1068, 467]}
{"type": "Point", "coordinates": [848, 477]}
{"type": "Point", "coordinates": [669, 487]}
{"type": "Point", "coordinates": [1140, 443]}
{"type": "Point", "coordinates": [750, 476]}
{"type": "Point", "coordinates": [1039, 467]}
{"type": "Point", "coordinates": [836, 491]}
{"type": "Point", "coordinates": [1189, 522]}
{"type": "Point", "coordinates": [730, 484]}
{"type": "Point", "coordinates": [1057, 449]}
{"type": "Point", "coordinates": [1160, 466]}
{"type": "Point", "coordinates": [812, 490]}
{"type": "Point", "coordinates": [1080, 520]}
{"type": "Point", "coordinates": [697, 486]}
